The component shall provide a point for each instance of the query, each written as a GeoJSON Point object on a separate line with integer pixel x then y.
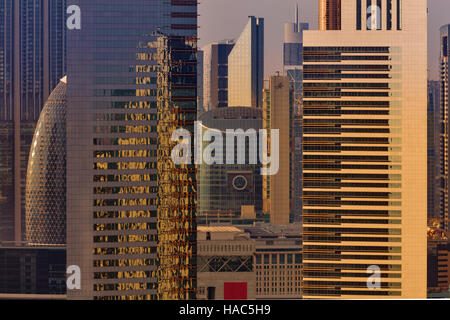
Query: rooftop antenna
{"type": "Point", "coordinates": [296, 15]}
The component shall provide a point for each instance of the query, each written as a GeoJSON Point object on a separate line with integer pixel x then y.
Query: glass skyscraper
{"type": "Point", "coordinates": [132, 79]}
{"type": "Point", "coordinates": [444, 162]}
{"type": "Point", "coordinates": [32, 60]}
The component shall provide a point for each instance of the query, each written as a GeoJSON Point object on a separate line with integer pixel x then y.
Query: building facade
{"type": "Point", "coordinates": [246, 66]}
{"type": "Point", "coordinates": [434, 144]}
{"type": "Point", "coordinates": [130, 209]}
{"type": "Point", "coordinates": [330, 14]}
{"type": "Point", "coordinates": [438, 280]}
{"type": "Point", "coordinates": [46, 174]}
{"type": "Point", "coordinates": [364, 154]}
{"type": "Point", "coordinates": [228, 192]}
{"type": "Point", "coordinates": [277, 108]}
{"type": "Point", "coordinates": [32, 273]}
{"type": "Point", "coordinates": [444, 138]}
{"type": "Point", "coordinates": [225, 264]}
{"type": "Point", "coordinates": [278, 260]}
{"type": "Point", "coordinates": [215, 70]}
{"type": "Point", "coordinates": [33, 46]}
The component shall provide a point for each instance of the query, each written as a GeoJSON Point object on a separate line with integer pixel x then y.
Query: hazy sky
{"type": "Point", "coordinates": [225, 19]}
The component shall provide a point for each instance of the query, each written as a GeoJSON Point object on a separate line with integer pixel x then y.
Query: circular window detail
{"type": "Point", "coordinates": [240, 183]}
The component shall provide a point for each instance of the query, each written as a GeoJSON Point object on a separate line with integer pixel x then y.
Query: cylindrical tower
{"type": "Point", "coordinates": [46, 174]}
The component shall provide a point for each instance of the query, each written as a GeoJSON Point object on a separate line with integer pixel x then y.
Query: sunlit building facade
{"type": "Point", "coordinates": [46, 175]}
{"type": "Point", "coordinates": [32, 61]}
{"type": "Point", "coordinates": [365, 155]}
{"type": "Point", "coordinates": [130, 210]}
{"type": "Point", "coordinates": [246, 66]}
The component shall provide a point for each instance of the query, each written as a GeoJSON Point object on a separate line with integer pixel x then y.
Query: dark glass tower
{"type": "Point", "coordinates": [32, 60]}
{"type": "Point", "coordinates": [444, 135]}
{"type": "Point", "coordinates": [132, 70]}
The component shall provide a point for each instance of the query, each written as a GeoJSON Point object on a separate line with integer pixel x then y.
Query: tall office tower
{"type": "Point", "coordinates": [215, 73]}
{"type": "Point", "coordinates": [434, 129]}
{"type": "Point", "coordinates": [232, 193]}
{"type": "Point", "coordinates": [365, 155]}
{"type": "Point", "coordinates": [277, 102]}
{"type": "Point", "coordinates": [130, 210]}
{"type": "Point", "coordinates": [330, 14]}
{"type": "Point", "coordinates": [32, 60]}
{"type": "Point", "coordinates": [246, 66]}
{"type": "Point", "coordinates": [445, 147]}
{"type": "Point", "coordinates": [293, 68]}
{"type": "Point", "coordinates": [46, 175]}
{"type": "Point", "coordinates": [200, 107]}
{"type": "Point", "coordinates": [293, 43]}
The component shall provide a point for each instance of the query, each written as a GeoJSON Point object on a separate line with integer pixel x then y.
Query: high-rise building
{"type": "Point", "coordinates": [46, 174]}
{"type": "Point", "coordinates": [200, 62]}
{"type": "Point", "coordinates": [32, 60]}
{"type": "Point", "coordinates": [130, 210]}
{"type": "Point", "coordinates": [293, 69]}
{"type": "Point", "coordinates": [215, 73]}
{"type": "Point", "coordinates": [246, 66]}
{"type": "Point", "coordinates": [231, 192]}
{"type": "Point", "coordinates": [365, 155]}
{"type": "Point", "coordinates": [293, 43]}
{"type": "Point", "coordinates": [434, 135]}
{"type": "Point", "coordinates": [277, 108]}
{"type": "Point", "coordinates": [330, 14]}
{"type": "Point", "coordinates": [444, 162]}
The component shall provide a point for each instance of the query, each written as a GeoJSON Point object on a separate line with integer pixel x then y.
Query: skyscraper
{"type": "Point", "coordinates": [231, 193]}
{"type": "Point", "coordinates": [130, 209]}
{"type": "Point", "coordinates": [445, 141]}
{"type": "Point", "coordinates": [365, 155]}
{"type": "Point", "coordinates": [278, 109]}
{"type": "Point", "coordinates": [32, 60]}
{"type": "Point", "coordinates": [293, 43]}
{"type": "Point", "coordinates": [330, 14]}
{"type": "Point", "coordinates": [293, 68]}
{"type": "Point", "coordinates": [215, 81]}
{"type": "Point", "coordinates": [46, 174]}
{"type": "Point", "coordinates": [246, 66]}
{"type": "Point", "coordinates": [434, 135]}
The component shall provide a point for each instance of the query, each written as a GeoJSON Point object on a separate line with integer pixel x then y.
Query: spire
{"type": "Point", "coordinates": [296, 15]}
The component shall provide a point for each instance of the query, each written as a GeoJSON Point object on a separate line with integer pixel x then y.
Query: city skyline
{"type": "Point", "coordinates": [219, 21]}
{"type": "Point", "coordinates": [297, 151]}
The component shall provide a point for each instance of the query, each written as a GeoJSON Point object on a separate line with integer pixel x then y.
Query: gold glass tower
{"type": "Point", "coordinates": [365, 154]}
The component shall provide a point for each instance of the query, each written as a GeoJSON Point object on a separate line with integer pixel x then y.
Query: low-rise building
{"type": "Point", "coordinates": [225, 264]}
{"type": "Point", "coordinates": [278, 260]}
